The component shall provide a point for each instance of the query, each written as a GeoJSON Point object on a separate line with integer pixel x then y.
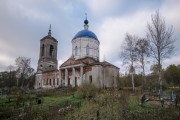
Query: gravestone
{"type": "Point", "coordinates": [39, 101]}
{"type": "Point", "coordinates": [143, 98]}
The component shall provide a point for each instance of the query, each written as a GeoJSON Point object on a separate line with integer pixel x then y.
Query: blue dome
{"type": "Point", "coordinates": [85, 33]}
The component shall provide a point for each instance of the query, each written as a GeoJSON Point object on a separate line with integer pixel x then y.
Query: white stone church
{"type": "Point", "coordinates": [82, 66]}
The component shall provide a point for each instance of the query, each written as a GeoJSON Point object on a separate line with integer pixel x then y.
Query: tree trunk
{"type": "Point", "coordinates": [22, 83]}
{"type": "Point", "coordinates": [132, 75]}
{"type": "Point", "coordinates": [143, 71]}
{"type": "Point", "coordinates": [159, 76]}
{"type": "Point", "coordinates": [22, 80]}
{"type": "Point", "coordinates": [17, 81]}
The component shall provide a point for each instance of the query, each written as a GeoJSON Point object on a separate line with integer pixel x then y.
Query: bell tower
{"type": "Point", "coordinates": [48, 53]}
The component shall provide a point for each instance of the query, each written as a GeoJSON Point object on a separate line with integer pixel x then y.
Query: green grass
{"type": "Point", "coordinates": [109, 107]}
{"type": "Point", "coordinates": [46, 100]}
{"type": "Point", "coordinates": [59, 100]}
{"type": "Point", "coordinates": [116, 109]}
{"type": "Point", "coordinates": [136, 108]}
{"type": "Point", "coordinates": [3, 99]}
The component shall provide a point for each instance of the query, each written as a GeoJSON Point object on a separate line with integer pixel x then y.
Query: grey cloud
{"type": "Point", "coordinates": [24, 23]}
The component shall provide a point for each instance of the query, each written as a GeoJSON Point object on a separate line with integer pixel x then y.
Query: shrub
{"type": "Point", "coordinates": [86, 90]}
{"type": "Point", "coordinates": [16, 91]}
{"type": "Point", "coordinates": [165, 85]}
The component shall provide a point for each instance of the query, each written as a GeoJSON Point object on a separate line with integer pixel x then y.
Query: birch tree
{"type": "Point", "coordinates": [143, 51]}
{"type": "Point", "coordinates": [161, 41]}
{"type": "Point", "coordinates": [128, 54]}
{"type": "Point", "coordinates": [24, 69]}
{"type": "Point", "coordinates": [11, 70]}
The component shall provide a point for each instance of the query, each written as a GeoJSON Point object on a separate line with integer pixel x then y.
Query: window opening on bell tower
{"type": "Point", "coordinates": [51, 50]}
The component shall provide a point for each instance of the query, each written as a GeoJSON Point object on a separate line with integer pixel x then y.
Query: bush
{"type": "Point", "coordinates": [16, 91]}
{"type": "Point", "coordinates": [165, 85]}
{"type": "Point", "coordinates": [86, 90]}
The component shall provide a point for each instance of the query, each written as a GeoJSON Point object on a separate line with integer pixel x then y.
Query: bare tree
{"type": "Point", "coordinates": [143, 51]}
{"type": "Point", "coordinates": [11, 69]}
{"type": "Point", "coordinates": [128, 54]}
{"type": "Point", "coordinates": [24, 69]}
{"type": "Point", "coordinates": [161, 41]}
{"type": "Point", "coordinates": [154, 69]}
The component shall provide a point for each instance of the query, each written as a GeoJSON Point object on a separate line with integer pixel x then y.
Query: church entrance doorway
{"type": "Point", "coordinates": [68, 81]}
{"type": "Point", "coordinates": [90, 79]}
{"type": "Point", "coordinates": [75, 81]}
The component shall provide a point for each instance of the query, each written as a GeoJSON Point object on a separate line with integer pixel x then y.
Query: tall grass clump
{"type": "Point", "coordinates": [86, 90]}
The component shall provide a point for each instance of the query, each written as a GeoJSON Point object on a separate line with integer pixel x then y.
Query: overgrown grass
{"type": "Point", "coordinates": [60, 100]}
{"type": "Point", "coordinates": [86, 90]}
{"type": "Point", "coordinates": [9, 109]}
{"type": "Point", "coordinates": [117, 105]}
{"type": "Point", "coordinates": [3, 99]}
{"type": "Point", "coordinates": [107, 105]}
{"type": "Point", "coordinates": [135, 105]}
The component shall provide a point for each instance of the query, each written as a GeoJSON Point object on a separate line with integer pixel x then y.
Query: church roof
{"type": "Point", "coordinates": [87, 61]}
{"type": "Point", "coordinates": [49, 37]}
{"type": "Point", "coordinates": [105, 63]}
{"type": "Point", "coordinates": [72, 61]}
{"type": "Point", "coordinates": [85, 33]}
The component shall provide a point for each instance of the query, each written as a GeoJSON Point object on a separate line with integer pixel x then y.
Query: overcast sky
{"type": "Point", "coordinates": [24, 22]}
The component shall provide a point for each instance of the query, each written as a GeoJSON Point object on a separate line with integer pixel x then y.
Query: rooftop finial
{"type": "Point", "coordinates": [86, 15]}
{"type": "Point", "coordinates": [86, 22]}
{"type": "Point", "coordinates": [49, 33]}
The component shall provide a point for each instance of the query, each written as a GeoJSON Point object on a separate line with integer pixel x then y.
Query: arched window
{"type": "Point", "coordinates": [42, 52]}
{"type": "Point", "coordinates": [87, 50]}
{"type": "Point", "coordinates": [90, 79]}
{"type": "Point", "coordinates": [47, 82]}
{"type": "Point", "coordinates": [54, 82]}
{"type": "Point", "coordinates": [57, 81]}
{"type": "Point", "coordinates": [76, 50]}
{"type": "Point", "coordinates": [50, 82]}
{"type": "Point", "coordinates": [51, 50]}
{"type": "Point", "coordinates": [41, 66]}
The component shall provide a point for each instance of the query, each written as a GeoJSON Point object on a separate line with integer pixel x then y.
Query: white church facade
{"type": "Point", "coordinates": [82, 66]}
